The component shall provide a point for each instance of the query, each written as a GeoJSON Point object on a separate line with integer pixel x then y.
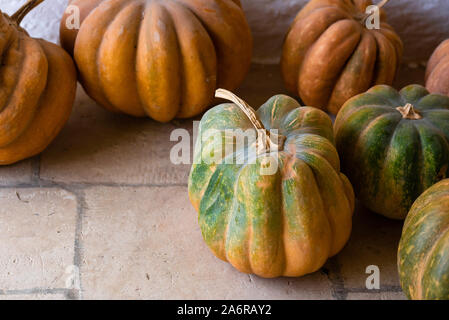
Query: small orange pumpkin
{"type": "Point", "coordinates": [437, 75]}
{"type": "Point", "coordinates": [37, 92]}
{"type": "Point", "coordinates": [162, 59]}
{"type": "Point", "coordinates": [329, 55]}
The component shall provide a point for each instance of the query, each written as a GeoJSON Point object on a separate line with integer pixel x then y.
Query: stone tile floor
{"type": "Point", "coordinates": [103, 214]}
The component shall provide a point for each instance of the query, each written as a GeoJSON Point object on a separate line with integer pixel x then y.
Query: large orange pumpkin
{"type": "Point", "coordinates": [163, 59]}
{"type": "Point", "coordinates": [37, 92]}
{"type": "Point", "coordinates": [330, 56]}
{"type": "Point", "coordinates": [437, 75]}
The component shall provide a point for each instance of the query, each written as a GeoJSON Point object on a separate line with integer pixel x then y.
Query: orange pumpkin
{"type": "Point", "coordinates": [37, 92]}
{"type": "Point", "coordinates": [437, 75]}
{"type": "Point", "coordinates": [330, 56]}
{"type": "Point", "coordinates": [162, 59]}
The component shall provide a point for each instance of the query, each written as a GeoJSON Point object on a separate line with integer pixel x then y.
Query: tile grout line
{"type": "Point", "coordinates": [71, 294]}
{"type": "Point", "coordinates": [78, 254]}
{"type": "Point", "coordinates": [36, 169]}
{"type": "Point", "coordinates": [340, 292]}
{"type": "Point", "coordinates": [77, 189]}
{"type": "Point", "coordinates": [37, 182]}
{"type": "Point", "coordinates": [337, 282]}
{"type": "Point", "coordinates": [82, 185]}
{"type": "Point", "coordinates": [44, 291]}
{"type": "Point", "coordinates": [383, 289]}
{"type": "Point", "coordinates": [338, 289]}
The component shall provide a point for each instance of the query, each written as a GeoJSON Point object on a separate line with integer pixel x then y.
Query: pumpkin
{"type": "Point", "coordinates": [329, 55]}
{"type": "Point", "coordinates": [393, 145]}
{"type": "Point", "coordinates": [423, 255]}
{"type": "Point", "coordinates": [37, 92]}
{"type": "Point", "coordinates": [282, 222]}
{"type": "Point", "coordinates": [437, 73]}
{"type": "Point", "coordinates": [162, 59]}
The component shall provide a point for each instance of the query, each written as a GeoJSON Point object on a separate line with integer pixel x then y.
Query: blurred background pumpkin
{"type": "Point", "coordinates": [330, 55]}
{"type": "Point", "coordinates": [422, 25]}
{"type": "Point", "coordinates": [162, 59]}
{"type": "Point", "coordinates": [437, 74]}
{"type": "Point", "coordinates": [37, 92]}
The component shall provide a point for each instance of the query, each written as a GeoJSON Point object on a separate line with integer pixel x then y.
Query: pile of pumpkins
{"type": "Point", "coordinates": [165, 60]}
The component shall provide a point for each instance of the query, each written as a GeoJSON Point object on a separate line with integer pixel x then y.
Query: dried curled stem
{"type": "Point", "coordinates": [24, 10]}
{"type": "Point", "coordinates": [409, 112]}
{"type": "Point", "coordinates": [382, 3]}
{"type": "Point", "coordinates": [266, 142]}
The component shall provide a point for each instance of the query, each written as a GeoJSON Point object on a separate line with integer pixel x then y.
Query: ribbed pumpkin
{"type": "Point", "coordinates": [37, 92]}
{"type": "Point", "coordinates": [423, 256]}
{"type": "Point", "coordinates": [329, 55]}
{"type": "Point", "coordinates": [393, 146]}
{"type": "Point", "coordinates": [287, 222]}
{"type": "Point", "coordinates": [437, 74]}
{"type": "Point", "coordinates": [162, 59]}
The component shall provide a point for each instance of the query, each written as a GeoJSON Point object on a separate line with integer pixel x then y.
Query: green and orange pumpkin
{"type": "Point", "coordinates": [38, 86]}
{"type": "Point", "coordinates": [423, 255]}
{"type": "Point", "coordinates": [330, 55]}
{"type": "Point", "coordinates": [286, 222]}
{"type": "Point", "coordinates": [161, 59]}
{"type": "Point", "coordinates": [393, 146]}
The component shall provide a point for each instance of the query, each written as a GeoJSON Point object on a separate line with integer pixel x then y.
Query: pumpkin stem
{"type": "Point", "coordinates": [25, 9]}
{"type": "Point", "coordinates": [380, 5]}
{"type": "Point", "coordinates": [409, 112]}
{"type": "Point", "coordinates": [266, 141]}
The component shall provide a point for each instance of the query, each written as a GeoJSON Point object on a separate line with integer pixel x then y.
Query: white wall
{"type": "Point", "coordinates": [42, 22]}
{"type": "Point", "coordinates": [422, 24]}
